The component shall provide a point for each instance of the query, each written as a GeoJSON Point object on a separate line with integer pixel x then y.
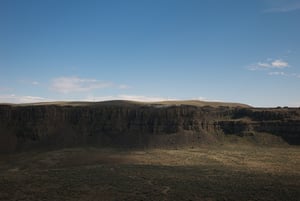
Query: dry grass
{"type": "Point", "coordinates": [255, 158]}
{"type": "Point", "coordinates": [229, 172]}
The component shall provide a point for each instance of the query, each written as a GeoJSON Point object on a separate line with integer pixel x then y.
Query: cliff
{"type": "Point", "coordinates": [131, 124]}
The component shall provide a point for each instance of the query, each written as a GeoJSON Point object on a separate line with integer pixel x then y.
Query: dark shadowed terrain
{"type": "Point", "coordinates": [138, 151]}
{"type": "Point", "coordinates": [142, 125]}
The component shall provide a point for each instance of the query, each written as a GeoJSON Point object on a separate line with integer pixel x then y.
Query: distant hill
{"type": "Point", "coordinates": [125, 102]}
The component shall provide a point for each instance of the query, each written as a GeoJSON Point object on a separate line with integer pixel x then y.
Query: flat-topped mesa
{"type": "Point", "coordinates": [135, 124]}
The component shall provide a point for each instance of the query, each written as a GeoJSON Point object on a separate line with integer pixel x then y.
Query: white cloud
{"type": "Point", "coordinates": [12, 98]}
{"type": "Point", "coordinates": [279, 64]}
{"type": "Point", "coordinates": [274, 67]}
{"type": "Point", "coordinates": [35, 83]}
{"type": "Point", "coordinates": [269, 64]}
{"type": "Point", "coordinates": [75, 84]}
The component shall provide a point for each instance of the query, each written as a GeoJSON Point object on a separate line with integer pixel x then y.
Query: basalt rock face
{"type": "Point", "coordinates": [24, 127]}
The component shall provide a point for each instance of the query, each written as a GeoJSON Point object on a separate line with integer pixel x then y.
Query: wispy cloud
{"type": "Point", "coordinates": [280, 73]}
{"type": "Point", "coordinates": [277, 73]}
{"type": "Point", "coordinates": [35, 83]}
{"type": "Point", "coordinates": [17, 99]}
{"type": "Point", "coordinates": [12, 98]}
{"type": "Point", "coordinates": [124, 86]}
{"type": "Point", "coordinates": [5, 89]}
{"type": "Point", "coordinates": [282, 6]}
{"type": "Point", "coordinates": [75, 84]}
{"type": "Point", "coordinates": [263, 65]}
{"type": "Point", "coordinates": [269, 64]}
{"type": "Point", "coordinates": [29, 82]}
{"type": "Point", "coordinates": [207, 99]}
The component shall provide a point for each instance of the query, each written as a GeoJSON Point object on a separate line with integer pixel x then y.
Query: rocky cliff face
{"type": "Point", "coordinates": [25, 127]}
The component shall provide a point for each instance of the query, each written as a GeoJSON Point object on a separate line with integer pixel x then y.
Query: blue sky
{"type": "Point", "coordinates": [149, 50]}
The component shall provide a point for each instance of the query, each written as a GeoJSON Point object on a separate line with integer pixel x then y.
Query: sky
{"type": "Point", "coordinates": [150, 50]}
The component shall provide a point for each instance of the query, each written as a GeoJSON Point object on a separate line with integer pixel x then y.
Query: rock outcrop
{"type": "Point", "coordinates": [130, 124]}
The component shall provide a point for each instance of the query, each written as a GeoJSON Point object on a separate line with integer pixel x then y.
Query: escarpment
{"type": "Point", "coordinates": [130, 124]}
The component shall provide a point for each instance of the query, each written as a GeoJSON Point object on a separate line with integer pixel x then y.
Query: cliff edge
{"type": "Point", "coordinates": [135, 124]}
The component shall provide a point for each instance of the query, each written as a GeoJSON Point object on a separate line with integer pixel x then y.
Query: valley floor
{"type": "Point", "coordinates": [227, 172]}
